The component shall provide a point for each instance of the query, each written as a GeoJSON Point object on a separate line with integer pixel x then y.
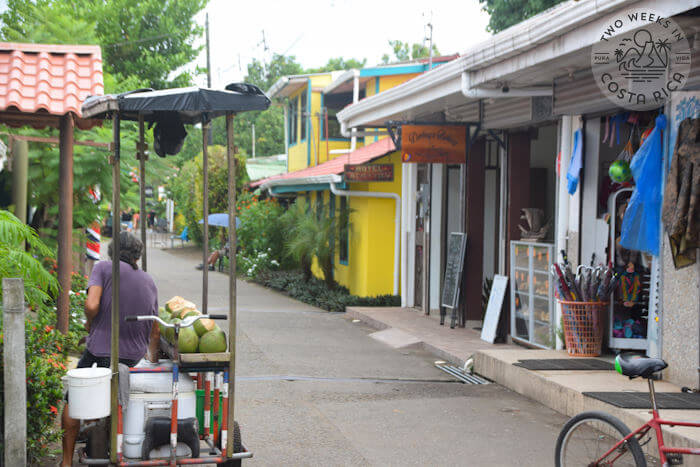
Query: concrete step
{"type": "Point", "coordinates": [563, 392]}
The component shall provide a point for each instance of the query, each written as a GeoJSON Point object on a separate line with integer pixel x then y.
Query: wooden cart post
{"type": "Point", "coordinates": [116, 225]}
{"type": "Point", "coordinates": [141, 156]}
{"type": "Point", "coordinates": [231, 156]}
{"type": "Point", "coordinates": [205, 204]}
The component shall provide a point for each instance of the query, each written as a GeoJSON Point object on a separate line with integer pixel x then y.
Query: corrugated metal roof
{"type": "Point", "coordinates": [50, 79]}
{"type": "Point", "coordinates": [337, 166]}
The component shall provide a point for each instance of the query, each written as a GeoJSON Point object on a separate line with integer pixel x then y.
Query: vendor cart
{"type": "Point", "coordinates": [170, 110]}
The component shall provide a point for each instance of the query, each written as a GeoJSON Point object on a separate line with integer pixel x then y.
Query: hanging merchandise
{"type": "Point", "coordinates": [619, 171]}
{"type": "Point", "coordinates": [572, 176]}
{"type": "Point", "coordinates": [681, 211]}
{"type": "Point", "coordinates": [640, 226]}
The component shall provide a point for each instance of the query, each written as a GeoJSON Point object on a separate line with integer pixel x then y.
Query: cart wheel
{"type": "Point", "coordinates": [237, 446]}
{"type": "Point", "coordinates": [97, 446]}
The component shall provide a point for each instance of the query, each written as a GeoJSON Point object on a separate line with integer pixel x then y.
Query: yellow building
{"type": "Point", "coordinates": [367, 262]}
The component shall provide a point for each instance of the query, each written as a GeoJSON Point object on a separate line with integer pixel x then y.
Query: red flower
{"type": "Point", "coordinates": [53, 410]}
{"type": "Point", "coordinates": [48, 328]}
{"type": "Point", "coordinates": [42, 350]}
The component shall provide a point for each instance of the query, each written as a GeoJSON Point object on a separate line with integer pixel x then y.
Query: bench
{"type": "Point", "coordinates": [182, 237]}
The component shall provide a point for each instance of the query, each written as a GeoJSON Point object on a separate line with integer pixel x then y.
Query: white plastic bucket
{"type": "Point", "coordinates": [88, 392]}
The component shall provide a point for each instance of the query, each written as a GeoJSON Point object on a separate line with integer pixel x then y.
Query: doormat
{"type": "Point", "coordinates": [566, 364]}
{"type": "Point", "coordinates": [640, 400]}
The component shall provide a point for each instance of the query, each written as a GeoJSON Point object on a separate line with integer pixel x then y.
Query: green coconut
{"type": "Point", "coordinates": [204, 325]}
{"type": "Point", "coordinates": [170, 332]}
{"type": "Point", "coordinates": [189, 312]}
{"type": "Point", "coordinates": [213, 341]}
{"type": "Point", "coordinates": [177, 304]}
{"type": "Point", "coordinates": [187, 341]}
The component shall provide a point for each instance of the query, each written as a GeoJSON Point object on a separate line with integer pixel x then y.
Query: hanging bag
{"type": "Point", "coordinates": [640, 226]}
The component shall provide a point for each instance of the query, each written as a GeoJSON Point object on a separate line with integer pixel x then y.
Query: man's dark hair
{"type": "Point", "coordinates": [130, 249]}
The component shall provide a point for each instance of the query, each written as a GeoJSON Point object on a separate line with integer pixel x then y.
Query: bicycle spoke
{"type": "Point", "coordinates": [589, 440]}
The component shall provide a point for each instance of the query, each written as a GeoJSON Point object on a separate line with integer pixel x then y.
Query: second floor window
{"type": "Point", "coordinates": [303, 114]}
{"type": "Point", "coordinates": [292, 119]}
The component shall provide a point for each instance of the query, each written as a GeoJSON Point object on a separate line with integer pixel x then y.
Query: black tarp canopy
{"type": "Point", "coordinates": [192, 104]}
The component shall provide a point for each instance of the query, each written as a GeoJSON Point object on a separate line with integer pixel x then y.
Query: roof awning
{"type": "Point", "coordinates": [329, 171]}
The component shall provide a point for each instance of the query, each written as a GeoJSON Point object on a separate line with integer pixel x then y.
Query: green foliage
{"type": "Point", "coordinates": [46, 352]}
{"type": "Point", "coordinates": [506, 13]}
{"type": "Point", "coordinates": [261, 231]}
{"type": "Point", "coordinates": [187, 188]}
{"type": "Point", "coordinates": [22, 263]}
{"type": "Point", "coordinates": [403, 51]}
{"type": "Point", "coordinates": [339, 63]}
{"type": "Point", "coordinates": [315, 291]}
{"type": "Point", "coordinates": [313, 235]}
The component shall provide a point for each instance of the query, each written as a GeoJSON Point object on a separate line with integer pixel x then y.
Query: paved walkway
{"type": "Point", "coordinates": [314, 389]}
{"type": "Point", "coordinates": [559, 390]}
{"type": "Point", "coordinates": [453, 345]}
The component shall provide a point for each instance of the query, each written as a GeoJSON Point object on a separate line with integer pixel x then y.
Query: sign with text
{"type": "Point", "coordinates": [437, 144]}
{"type": "Point", "coordinates": [369, 173]}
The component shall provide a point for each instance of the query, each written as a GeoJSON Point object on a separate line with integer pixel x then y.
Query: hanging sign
{"type": "Point", "coordinates": [369, 173]}
{"type": "Point", "coordinates": [437, 144]}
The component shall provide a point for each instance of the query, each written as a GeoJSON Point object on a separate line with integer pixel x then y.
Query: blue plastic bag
{"type": "Point", "coordinates": [642, 222]}
{"type": "Point", "coordinates": [573, 174]}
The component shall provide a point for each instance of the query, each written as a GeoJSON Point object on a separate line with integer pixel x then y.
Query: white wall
{"type": "Point", "coordinates": [436, 235]}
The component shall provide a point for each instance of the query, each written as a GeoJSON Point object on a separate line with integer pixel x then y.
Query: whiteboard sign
{"type": "Point", "coordinates": [493, 311]}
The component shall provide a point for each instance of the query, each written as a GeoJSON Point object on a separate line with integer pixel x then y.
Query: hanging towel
{"type": "Point", "coordinates": [640, 226]}
{"type": "Point", "coordinates": [572, 176]}
{"type": "Point", "coordinates": [681, 211]}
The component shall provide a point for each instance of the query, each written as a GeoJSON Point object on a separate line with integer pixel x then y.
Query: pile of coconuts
{"type": "Point", "coordinates": [204, 336]}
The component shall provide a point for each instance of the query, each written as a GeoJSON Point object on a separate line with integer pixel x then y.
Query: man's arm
{"type": "Point", "coordinates": [154, 343]}
{"type": "Point", "coordinates": [92, 304]}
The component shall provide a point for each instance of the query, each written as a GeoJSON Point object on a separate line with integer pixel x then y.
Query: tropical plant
{"type": "Point", "coordinates": [187, 188]}
{"type": "Point", "coordinates": [22, 262]}
{"type": "Point", "coordinates": [313, 236]}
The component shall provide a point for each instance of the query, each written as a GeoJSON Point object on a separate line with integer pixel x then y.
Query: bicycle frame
{"type": "Point", "coordinates": [655, 423]}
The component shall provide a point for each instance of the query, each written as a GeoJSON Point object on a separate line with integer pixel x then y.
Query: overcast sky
{"type": "Point", "coordinates": [316, 30]}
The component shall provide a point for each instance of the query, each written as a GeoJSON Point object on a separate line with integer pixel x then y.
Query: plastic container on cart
{"type": "Point", "coordinates": [150, 395]}
{"type": "Point", "coordinates": [200, 409]}
{"type": "Point", "coordinates": [90, 386]}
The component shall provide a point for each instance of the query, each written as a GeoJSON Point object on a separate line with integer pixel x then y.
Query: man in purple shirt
{"type": "Point", "coordinates": [137, 296]}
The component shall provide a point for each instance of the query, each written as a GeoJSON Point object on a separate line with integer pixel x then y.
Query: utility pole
{"type": "Point", "coordinates": [206, 28]}
{"type": "Point", "coordinates": [430, 42]}
{"type": "Point", "coordinates": [210, 135]}
{"type": "Point", "coordinates": [253, 137]}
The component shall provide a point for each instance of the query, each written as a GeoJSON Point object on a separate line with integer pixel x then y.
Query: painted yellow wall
{"type": "Point", "coordinates": [385, 82]}
{"type": "Point", "coordinates": [370, 268]}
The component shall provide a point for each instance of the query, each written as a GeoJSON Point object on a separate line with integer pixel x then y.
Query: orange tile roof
{"type": "Point", "coordinates": [48, 79]}
{"type": "Point", "coordinates": [337, 165]}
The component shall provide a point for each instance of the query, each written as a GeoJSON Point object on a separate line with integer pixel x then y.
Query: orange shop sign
{"type": "Point", "coordinates": [369, 172]}
{"type": "Point", "coordinates": [437, 144]}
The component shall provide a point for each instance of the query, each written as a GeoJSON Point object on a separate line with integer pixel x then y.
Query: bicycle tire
{"type": "Point", "coordinates": [604, 418]}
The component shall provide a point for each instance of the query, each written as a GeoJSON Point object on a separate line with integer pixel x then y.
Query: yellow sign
{"type": "Point", "coordinates": [437, 144]}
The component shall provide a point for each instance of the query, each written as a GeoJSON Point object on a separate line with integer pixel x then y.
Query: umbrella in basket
{"type": "Point", "coordinates": [220, 220]}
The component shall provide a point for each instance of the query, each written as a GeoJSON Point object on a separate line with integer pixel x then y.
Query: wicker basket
{"type": "Point", "coordinates": [583, 327]}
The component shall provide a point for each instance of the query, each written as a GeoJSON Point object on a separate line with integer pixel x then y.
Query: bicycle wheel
{"type": "Point", "coordinates": [589, 435]}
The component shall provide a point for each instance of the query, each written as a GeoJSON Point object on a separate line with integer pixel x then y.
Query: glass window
{"type": "Point", "coordinates": [334, 125]}
{"type": "Point", "coordinates": [303, 114]}
{"type": "Point", "coordinates": [344, 234]}
{"type": "Point", "coordinates": [292, 118]}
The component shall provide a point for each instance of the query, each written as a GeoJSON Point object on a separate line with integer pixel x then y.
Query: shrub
{"type": "Point", "coordinates": [261, 229]}
{"type": "Point", "coordinates": [256, 264]}
{"type": "Point", "coordinates": [316, 292]}
{"type": "Point", "coordinates": [46, 351]}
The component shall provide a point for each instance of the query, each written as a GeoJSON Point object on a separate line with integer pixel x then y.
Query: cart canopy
{"type": "Point", "coordinates": [192, 104]}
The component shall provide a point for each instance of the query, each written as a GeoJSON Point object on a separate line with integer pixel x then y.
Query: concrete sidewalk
{"type": "Point", "coordinates": [558, 390]}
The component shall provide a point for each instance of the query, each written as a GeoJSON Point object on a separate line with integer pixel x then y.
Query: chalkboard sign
{"type": "Point", "coordinates": [493, 311]}
{"type": "Point", "coordinates": [453, 269]}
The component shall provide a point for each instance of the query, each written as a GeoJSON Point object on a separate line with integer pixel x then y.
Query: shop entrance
{"type": "Point", "coordinates": [422, 252]}
{"type": "Point", "coordinates": [532, 188]}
